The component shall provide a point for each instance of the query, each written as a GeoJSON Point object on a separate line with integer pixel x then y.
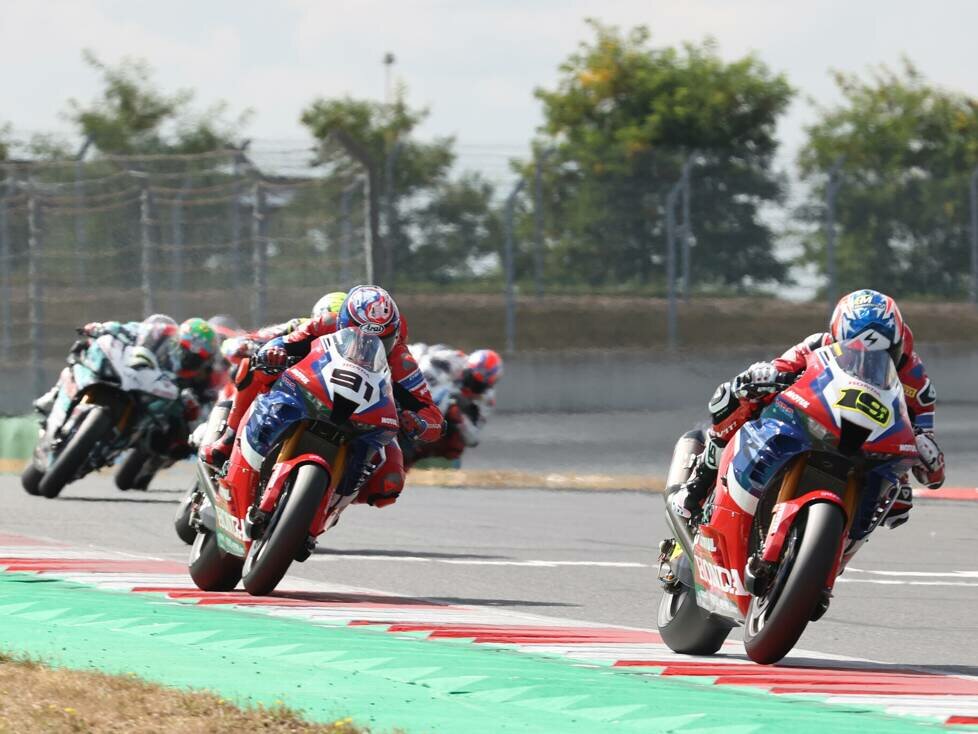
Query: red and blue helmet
{"type": "Point", "coordinates": [372, 310]}
{"type": "Point", "coordinates": [869, 316]}
{"type": "Point", "coordinates": [483, 368]}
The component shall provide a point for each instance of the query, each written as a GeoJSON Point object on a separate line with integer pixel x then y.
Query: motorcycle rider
{"type": "Point", "coordinates": [867, 315]}
{"type": "Point", "coordinates": [463, 387]}
{"type": "Point", "coordinates": [371, 309]}
{"type": "Point", "coordinates": [235, 350]}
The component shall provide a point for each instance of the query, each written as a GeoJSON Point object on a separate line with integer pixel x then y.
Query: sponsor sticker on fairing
{"type": "Point", "coordinates": [796, 398]}
{"type": "Point", "coordinates": [389, 421]}
{"type": "Point", "coordinates": [723, 579]}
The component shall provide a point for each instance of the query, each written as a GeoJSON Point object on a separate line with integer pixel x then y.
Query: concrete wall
{"type": "Point", "coordinates": [588, 381]}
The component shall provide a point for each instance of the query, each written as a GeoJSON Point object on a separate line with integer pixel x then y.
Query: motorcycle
{"type": "Point", "coordinates": [113, 395]}
{"type": "Point", "coordinates": [799, 490]}
{"type": "Point", "coordinates": [341, 395]}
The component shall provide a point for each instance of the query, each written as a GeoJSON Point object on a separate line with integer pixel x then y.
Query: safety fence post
{"type": "Point", "coordinates": [146, 241]}
{"type": "Point", "coordinates": [259, 255]}
{"type": "Point", "coordinates": [510, 267]}
{"type": "Point", "coordinates": [831, 191]}
{"type": "Point", "coordinates": [6, 263]}
{"type": "Point", "coordinates": [974, 235]}
{"type": "Point", "coordinates": [35, 289]}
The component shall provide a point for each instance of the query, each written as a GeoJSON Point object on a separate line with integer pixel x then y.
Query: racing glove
{"type": "Point", "coordinates": [92, 329]}
{"type": "Point", "coordinates": [191, 406]}
{"type": "Point", "coordinates": [273, 356]}
{"type": "Point", "coordinates": [929, 470]}
{"type": "Point", "coordinates": [412, 424]}
{"type": "Point", "coordinates": [761, 378]}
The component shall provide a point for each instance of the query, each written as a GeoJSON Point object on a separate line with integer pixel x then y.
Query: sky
{"type": "Point", "coordinates": [475, 63]}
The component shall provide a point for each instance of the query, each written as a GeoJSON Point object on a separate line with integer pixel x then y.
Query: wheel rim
{"type": "Point", "coordinates": [669, 605]}
{"type": "Point", "coordinates": [761, 607]}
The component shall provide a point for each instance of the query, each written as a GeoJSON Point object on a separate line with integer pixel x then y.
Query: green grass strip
{"type": "Point", "coordinates": [382, 680]}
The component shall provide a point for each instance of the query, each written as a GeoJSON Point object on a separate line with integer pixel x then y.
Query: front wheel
{"type": "Point", "coordinates": [777, 620]}
{"type": "Point", "coordinates": [211, 568]}
{"type": "Point", "coordinates": [285, 538]}
{"type": "Point", "coordinates": [93, 428]}
{"type": "Point", "coordinates": [687, 629]}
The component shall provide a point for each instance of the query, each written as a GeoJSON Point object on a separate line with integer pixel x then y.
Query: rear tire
{"type": "Point", "coordinates": [773, 627]}
{"type": "Point", "coordinates": [181, 520]}
{"type": "Point", "coordinates": [269, 557]}
{"type": "Point", "coordinates": [64, 468]}
{"type": "Point", "coordinates": [687, 629]}
{"type": "Point", "coordinates": [129, 470]}
{"type": "Point", "coordinates": [30, 479]}
{"type": "Point", "coordinates": [211, 568]}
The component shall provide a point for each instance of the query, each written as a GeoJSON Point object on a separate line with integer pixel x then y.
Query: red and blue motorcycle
{"type": "Point", "coordinates": [341, 394]}
{"type": "Point", "coordinates": [799, 489]}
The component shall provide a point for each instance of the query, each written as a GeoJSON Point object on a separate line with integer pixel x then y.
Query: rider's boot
{"type": "Point", "coordinates": [217, 452]}
{"type": "Point", "coordinates": [250, 387]}
{"type": "Point", "coordinates": [688, 500]}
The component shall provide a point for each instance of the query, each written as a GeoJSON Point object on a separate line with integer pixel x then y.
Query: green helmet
{"type": "Point", "coordinates": [330, 303]}
{"type": "Point", "coordinates": [196, 346]}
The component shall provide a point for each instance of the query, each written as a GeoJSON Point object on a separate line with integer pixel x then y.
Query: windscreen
{"type": "Point", "coordinates": [874, 367]}
{"type": "Point", "coordinates": [362, 349]}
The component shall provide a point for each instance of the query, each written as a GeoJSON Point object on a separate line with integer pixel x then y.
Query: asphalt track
{"type": "Point", "coordinates": [909, 599]}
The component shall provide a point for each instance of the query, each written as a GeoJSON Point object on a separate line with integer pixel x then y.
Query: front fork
{"type": "Point", "coordinates": [762, 565]}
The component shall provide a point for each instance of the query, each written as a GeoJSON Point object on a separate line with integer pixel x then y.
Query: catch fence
{"type": "Point", "coordinates": [187, 235]}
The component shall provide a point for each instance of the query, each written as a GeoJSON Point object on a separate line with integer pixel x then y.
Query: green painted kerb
{"type": "Point", "coordinates": [382, 680]}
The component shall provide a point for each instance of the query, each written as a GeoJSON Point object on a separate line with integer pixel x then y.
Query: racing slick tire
{"type": "Point", "coordinates": [687, 629]}
{"type": "Point", "coordinates": [30, 479]}
{"type": "Point", "coordinates": [64, 468]}
{"type": "Point", "coordinates": [211, 568]}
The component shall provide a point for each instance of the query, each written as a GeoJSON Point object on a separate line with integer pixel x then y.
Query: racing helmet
{"type": "Point", "coordinates": [195, 346]}
{"type": "Point", "coordinates": [870, 317]}
{"type": "Point", "coordinates": [225, 326]}
{"type": "Point", "coordinates": [330, 303]}
{"type": "Point", "coordinates": [372, 310]}
{"type": "Point", "coordinates": [155, 335]}
{"type": "Point", "coordinates": [160, 318]}
{"type": "Point", "coordinates": [483, 368]}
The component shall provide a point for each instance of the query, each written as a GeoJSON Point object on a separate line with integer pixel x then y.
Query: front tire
{"type": "Point", "coordinates": [30, 479]}
{"type": "Point", "coordinates": [270, 556]}
{"type": "Point", "coordinates": [777, 620]}
{"type": "Point", "coordinates": [211, 568]}
{"type": "Point", "coordinates": [687, 629]}
{"type": "Point", "coordinates": [64, 468]}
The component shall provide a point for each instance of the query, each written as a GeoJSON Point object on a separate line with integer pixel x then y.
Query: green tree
{"type": "Point", "coordinates": [6, 130]}
{"type": "Point", "coordinates": [906, 149]}
{"type": "Point", "coordinates": [132, 116]}
{"type": "Point", "coordinates": [621, 120]}
{"type": "Point", "coordinates": [432, 219]}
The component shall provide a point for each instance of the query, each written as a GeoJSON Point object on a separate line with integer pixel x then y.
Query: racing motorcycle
{"type": "Point", "coordinates": [114, 395]}
{"type": "Point", "coordinates": [799, 489]}
{"type": "Point", "coordinates": [342, 397]}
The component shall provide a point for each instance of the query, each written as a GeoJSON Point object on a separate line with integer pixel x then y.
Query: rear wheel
{"type": "Point", "coordinates": [93, 428]}
{"type": "Point", "coordinates": [686, 628]}
{"type": "Point", "coordinates": [211, 568]}
{"type": "Point", "coordinates": [776, 620]}
{"type": "Point", "coordinates": [30, 479]}
{"type": "Point", "coordinates": [181, 520]}
{"type": "Point", "coordinates": [285, 538]}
